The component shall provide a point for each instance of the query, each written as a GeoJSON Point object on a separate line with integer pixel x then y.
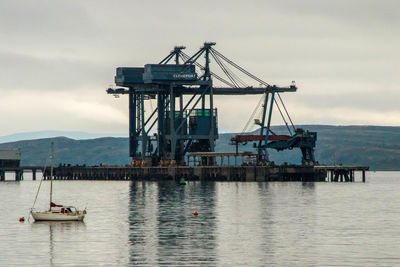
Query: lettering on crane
{"type": "Point", "coordinates": [184, 75]}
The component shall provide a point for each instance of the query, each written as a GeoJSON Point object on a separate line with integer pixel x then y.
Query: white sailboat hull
{"type": "Point", "coordinates": [57, 216]}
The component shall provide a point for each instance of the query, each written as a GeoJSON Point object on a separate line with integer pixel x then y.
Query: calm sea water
{"type": "Point", "coordinates": [239, 224]}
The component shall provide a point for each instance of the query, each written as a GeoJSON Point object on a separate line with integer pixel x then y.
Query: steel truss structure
{"type": "Point", "coordinates": [189, 124]}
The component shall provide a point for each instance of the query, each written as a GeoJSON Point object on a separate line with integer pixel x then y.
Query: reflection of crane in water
{"type": "Point", "coordinates": [182, 125]}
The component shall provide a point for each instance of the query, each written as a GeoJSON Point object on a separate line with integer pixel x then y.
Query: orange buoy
{"type": "Point", "coordinates": [21, 219]}
{"type": "Point", "coordinates": [195, 213]}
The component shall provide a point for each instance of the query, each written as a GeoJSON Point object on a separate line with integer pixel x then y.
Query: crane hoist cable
{"type": "Point", "coordinates": [260, 112]}
{"type": "Point", "coordinates": [232, 76]}
{"type": "Point", "coordinates": [185, 57]}
{"type": "Point", "coordinates": [239, 80]}
{"type": "Point", "coordinates": [239, 68]}
{"type": "Point", "coordinates": [284, 119]}
{"type": "Point", "coordinates": [225, 70]}
{"type": "Point", "coordinates": [275, 101]}
{"type": "Point", "coordinates": [235, 81]}
{"type": "Point", "coordinates": [287, 113]}
{"type": "Point", "coordinates": [253, 113]}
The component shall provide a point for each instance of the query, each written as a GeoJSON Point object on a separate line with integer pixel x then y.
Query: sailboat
{"type": "Point", "coordinates": [56, 212]}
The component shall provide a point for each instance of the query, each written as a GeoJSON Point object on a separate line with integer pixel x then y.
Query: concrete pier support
{"type": "Point", "coordinates": [339, 173]}
{"type": "Point", "coordinates": [19, 175]}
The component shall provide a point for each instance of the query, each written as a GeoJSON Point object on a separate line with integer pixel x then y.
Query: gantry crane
{"type": "Point", "coordinates": [183, 126]}
{"type": "Point", "coordinates": [297, 137]}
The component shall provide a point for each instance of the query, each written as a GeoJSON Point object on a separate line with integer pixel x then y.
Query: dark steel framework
{"type": "Point", "coordinates": [182, 125]}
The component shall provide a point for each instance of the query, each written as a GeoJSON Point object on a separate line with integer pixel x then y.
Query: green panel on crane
{"type": "Point", "coordinates": [199, 122]}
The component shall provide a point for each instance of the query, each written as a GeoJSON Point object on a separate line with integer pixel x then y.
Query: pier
{"type": "Point", "coordinates": [343, 173]}
{"type": "Point", "coordinates": [282, 173]}
{"type": "Point", "coordinates": [19, 172]}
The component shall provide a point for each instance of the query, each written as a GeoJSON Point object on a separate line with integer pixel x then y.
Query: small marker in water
{"type": "Point", "coordinates": [21, 219]}
{"type": "Point", "coordinates": [195, 213]}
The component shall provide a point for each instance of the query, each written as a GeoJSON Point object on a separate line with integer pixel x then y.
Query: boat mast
{"type": "Point", "coordinates": [51, 172]}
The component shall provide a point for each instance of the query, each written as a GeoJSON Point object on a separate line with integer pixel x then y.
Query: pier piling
{"type": "Point", "coordinates": [284, 173]}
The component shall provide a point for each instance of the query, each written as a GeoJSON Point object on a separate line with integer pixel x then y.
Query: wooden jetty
{"type": "Point", "coordinates": [284, 173]}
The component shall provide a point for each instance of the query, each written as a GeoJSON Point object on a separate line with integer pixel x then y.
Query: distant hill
{"type": "Point", "coordinates": [375, 146]}
{"type": "Point", "coordinates": [50, 134]}
{"type": "Point", "coordinates": [108, 150]}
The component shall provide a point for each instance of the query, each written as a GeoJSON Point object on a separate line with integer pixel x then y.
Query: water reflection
{"type": "Point", "coordinates": [310, 185]}
{"type": "Point", "coordinates": [163, 229]}
{"type": "Point", "coordinates": [240, 215]}
{"type": "Point", "coordinates": [239, 224]}
{"type": "Point", "coordinates": [143, 225]}
{"type": "Point", "coordinates": [285, 224]}
{"type": "Point", "coordinates": [58, 233]}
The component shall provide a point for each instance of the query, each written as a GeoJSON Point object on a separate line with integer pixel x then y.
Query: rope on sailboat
{"type": "Point", "coordinates": [37, 192]}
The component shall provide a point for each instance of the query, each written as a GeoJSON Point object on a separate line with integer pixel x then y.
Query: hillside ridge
{"type": "Point", "coordinates": [374, 146]}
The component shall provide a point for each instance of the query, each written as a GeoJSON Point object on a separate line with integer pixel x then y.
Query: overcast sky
{"type": "Point", "coordinates": [58, 57]}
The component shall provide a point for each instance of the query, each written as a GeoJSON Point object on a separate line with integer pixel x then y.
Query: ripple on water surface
{"type": "Point", "coordinates": [253, 224]}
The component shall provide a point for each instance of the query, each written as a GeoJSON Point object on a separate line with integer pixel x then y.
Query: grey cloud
{"type": "Point", "coordinates": [372, 101]}
{"type": "Point", "coordinates": [357, 12]}
{"type": "Point", "coordinates": [30, 73]}
{"type": "Point", "coordinates": [45, 19]}
{"type": "Point", "coordinates": [70, 45]}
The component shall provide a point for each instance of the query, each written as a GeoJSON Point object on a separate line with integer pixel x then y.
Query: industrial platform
{"type": "Point", "coordinates": [184, 143]}
{"type": "Point", "coordinates": [283, 173]}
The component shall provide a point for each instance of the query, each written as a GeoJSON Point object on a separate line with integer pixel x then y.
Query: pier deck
{"type": "Point", "coordinates": [282, 173]}
{"type": "Point", "coordinates": [213, 173]}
